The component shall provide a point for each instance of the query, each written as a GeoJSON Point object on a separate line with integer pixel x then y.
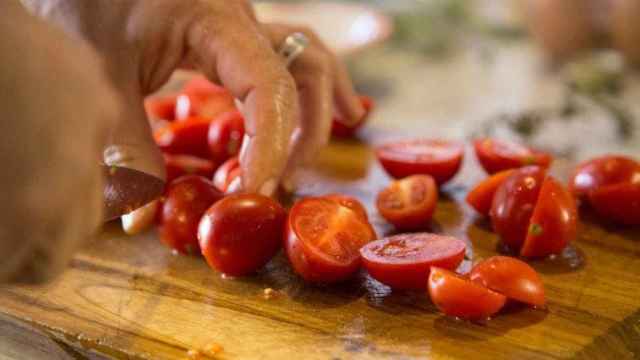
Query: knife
{"type": "Point", "coordinates": [127, 189]}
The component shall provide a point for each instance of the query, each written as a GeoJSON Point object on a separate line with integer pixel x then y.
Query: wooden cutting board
{"type": "Point", "coordinates": [129, 297]}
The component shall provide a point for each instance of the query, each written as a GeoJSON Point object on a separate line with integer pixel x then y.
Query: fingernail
{"type": "Point", "coordinates": [269, 187]}
{"type": "Point", "coordinates": [234, 186]}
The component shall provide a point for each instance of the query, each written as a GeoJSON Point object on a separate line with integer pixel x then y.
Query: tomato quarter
{"type": "Point", "coordinates": [179, 165]}
{"type": "Point", "coordinates": [409, 203]}
{"type": "Point", "coordinates": [339, 129]}
{"type": "Point", "coordinates": [187, 137]}
{"type": "Point", "coordinates": [350, 202]}
{"type": "Point", "coordinates": [496, 155]}
{"type": "Point", "coordinates": [481, 196]}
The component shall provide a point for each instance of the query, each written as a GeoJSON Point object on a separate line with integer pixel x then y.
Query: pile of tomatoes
{"type": "Point", "coordinates": [329, 238]}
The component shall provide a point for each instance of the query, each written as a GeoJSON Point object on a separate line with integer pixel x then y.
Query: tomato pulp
{"type": "Point", "coordinates": [350, 202]}
{"type": "Point", "coordinates": [409, 203]}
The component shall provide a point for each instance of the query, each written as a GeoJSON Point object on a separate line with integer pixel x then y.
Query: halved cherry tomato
{"type": "Point", "coordinates": [439, 158]}
{"type": "Point", "coordinates": [553, 223]}
{"type": "Point", "coordinates": [203, 98]}
{"type": "Point", "coordinates": [619, 203]}
{"type": "Point", "coordinates": [409, 203]}
{"type": "Point", "coordinates": [603, 171]}
{"type": "Point", "coordinates": [226, 173]}
{"type": "Point", "coordinates": [404, 261]}
{"type": "Point", "coordinates": [225, 135]}
{"type": "Point", "coordinates": [323, 240]}
{"type": "Point", "coordinates": [178, 165]}
{"type": "Point", "coordinates": [513, 204]}
{"type": "Point", "coordinates": [187, 137]}
{"type": "Point", "coordinates": [241, 233]}
{"type": "Point", "coordinates": [460, 297]}
{"type": "Point", "coordinates": [340, 130]}
{"type": "Point", "coordinates": [497, 155]}
{"type": "Point", "coordinates": [186, 199]}
{"type": "Point", "coordinates": [350, 202]}
{"type": "Point", "coordinates": [161, 107]}
{"type": "Point", "coordinates": [510, 277]}
{"type": "Point", "coordinates": [481, 196]}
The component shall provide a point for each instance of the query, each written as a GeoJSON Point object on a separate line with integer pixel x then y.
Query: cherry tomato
{"type": "Point", "coordinates": [409, 203]}
{"type": "Point", "coordinates": [553, 223]}
{"type": "Point", "coordinates": [340, 130]}
{"type": "Point", "coordinates": [460, 297]}
{"type": "Point", "coordinates": [438, 158]}
{"type": "Point", "coordinates": [186, 199]}
{"type": "Point", "coordinates": [241, 233]}
{"type": "Point", "coordinates": [510, 277]}
{"type": "Point", "coordinates": [203, 98]}
{"type": "Point", "coordinates": [350, 202]}
{"type": "Point", "coordinates": [481, 196]}
{"type": "Point", "coordinates": [619, 203]}
{"type": "Point", "coordinates": [225, 135]}
{"type": "Point", "coordinates": [226, 173]}
{"type": "Point", "coordinates": [187, 137]}
{"type": "Point", "coordinates": [161, 107]}
{"type": "Point", "coordinates": [323, 240]}
{"type": "Point", "coordinates": [404, 261]}
{"type": "Point", "coordinates": [497, 155]}
{"type": "Point", "coordinates": [603, 171]}
{"type": "Point", "coordinates": [178, 165]}
{"type": "Point", "coordinates": [513, 204]}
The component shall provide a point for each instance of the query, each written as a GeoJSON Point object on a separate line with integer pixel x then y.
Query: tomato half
{"type": "Point", "coordinates": [409, 203]}
{"type": "Point", "coordinates": [553, 223]}
{"type": "Point", "coordinates": [497, 155]}
{"type": "Point", "coordinates": [461, 297]}
{"type": "Point", "coordinates": [178, 165]}
{"type": "Point", "coordinates": [225, 135]}
{"type": "Point", "coordinates": [439, 158]}
{"type": "Point", "coordinates": [323, 240]}
{"type": "Point", "coordinates": [619, 203]}
{"type": "Point", "coordinates": [481, 196]}
{"type": "Point", "coordinates": [510, 277]}
{"type": "Point", "coordinates": [513, 204]}
{"type": "Point", "coordinates": [350, 202]}
{"type": "Point", "coordinates": [241, 233]}
{"type": "Point", "coordinates": [186, 199]}
{"type": "Point", "coordinates": [161, 107]}
{"type": "Point", "coordinates": [339, 129]}
{"type": "Point", "coordinates": [404, 261]}
{"type": "Point", "coordinates": [603, 171]}
{"type": "Point", "coordinates": [226, 173]}
{"type": "Point", "coordinates": [187, 137]}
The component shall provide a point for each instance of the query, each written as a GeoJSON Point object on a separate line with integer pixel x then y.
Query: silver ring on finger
{"type": "Point", "coordinates": [293, 46]}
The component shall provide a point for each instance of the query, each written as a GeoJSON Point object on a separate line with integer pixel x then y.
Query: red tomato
{"type": "Point", "coordinates": [350, 202]}
{"type": "Point", "coordinates": [186, 199]}
{"type": "Point", "coordinates": [439, 158]}
{"type": "Point", "coordinates": [513, 204]}
{"type": "Point", "coordinates": [460, 297]}
{"type": "Point", "coordinates": [510, 277]}
{"type": "Point", "coordinates": [187, 137]}
{"type": "Point", "coordinates": [497, 155]}
{"type": "Point", "coordinates": [204, 98]}
{"type": "Point", "coordinates": [619, 203]}
{"type": "Point", "coordinates": [603, 171]}
{"type": "Point", "coordinates": [323, 240]}
{"type": "Point", "coordinates": [178, 165]}
{"type": "Point", "coordinates": [161, 107]}
{"type": "Point", "coordinates": [404, 261]}
{"type": "Point", "coordinates": [409, 203]}
{"type": "Point", "coordinates": [225, 135]}
{"type": "Point", "coordinates": [226, 173]}
{"type": "Point", "coordinates": [553, 223]}
{"type": "Point", "coordinates": [241, 233]}
{"type": "Point", "coordinates": [338, 129]}
{"type": "Point", "coordinates": [481, 196]}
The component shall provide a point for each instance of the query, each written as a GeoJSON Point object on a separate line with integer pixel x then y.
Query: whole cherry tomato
{"type": "Point", "coordinates": [226, 173]}
{"type": "Point", "coordinates": [323, 240]}
{"type": "Point", "coordinates": [439, 158]}
{"type": "Point", "coordinates": [510, 277]}
{"type": "Point", "coordinates": [178, 165]}
{"type": "Point", "coordinates": [409, 203]}
{"type": "Point", "coordinates": [619, 203]}
{"type": "Point", "coordinates": [350, 202]}
{"type": "Point", "coordinates": [186, 199]}
{"type": "Point", "coordinates": [460, 297]}
{"type": "Point", "coordinates": [497, 155]}
{"type": "Point", "coordinates": [481, 196]}
{"type": "Point", "coordinates": [240, 233]}
{"type": "Point", "coordinates": [340, 130]}
{"type": "Point", "coordinates": [186, 137]}
{"type": "Point", "coordinates": [404, 261]}
{"type": "Point", "coordinates": [225, 135]}
{"type": "Point", "coordinates": [161, 107]}
{"type": "Point", "coordinates": [602, 171]}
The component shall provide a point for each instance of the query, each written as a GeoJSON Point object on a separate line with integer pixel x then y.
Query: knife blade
{"type": "Point", "coordinates": [127, 189]}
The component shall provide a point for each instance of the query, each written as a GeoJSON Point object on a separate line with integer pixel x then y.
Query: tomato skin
{"type": "Point", "coordinates": [186, 199]}
{"type": "Point", "coordinates": [553, 223]}
{"type": "Point", "coordinates": [179, 165]}
{"type": "Point", "coordinates": [462, 298]}
{"type": "Point", "coordinates": [602, 171]}
{"type": "Point", "coordinates": [161, 107]}
{"type": "Point", "coordinates": [619, 203]}
{"type": "Point", "coordinates": [510, 277]}
{"type": "Point", "coordinates": [187, 137]}
{"type": "Point", "coordinates": [514, 203]}
{"type": "Point", "coordinates": [206, 99]}
{"type": "Point", "coordinates": [240, 233]}
{"type": "Point", "coordinates": [481, 196]}
{"type": "Point", "coordinates": [409, 203]}
{"type": "Point", "coordinates": [225, 135]}
{"type": "Point", "coordinates": [404, 261]}
{"type": "Point", "coordinates": [350, 202]}
{"type": "Point", "coordinates": [339, 130]}
{"type": "Point", "coordinates": [226, 173]}
{"type": "Point", "coordinates": [402, 159]}
{"type": "Point", "coordinates": [498, 155]}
